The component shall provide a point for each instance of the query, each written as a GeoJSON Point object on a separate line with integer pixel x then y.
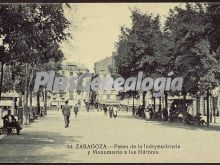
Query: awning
{"type": "Point", "coordinates": [10, 94]}
{"type": "Point", "coordinates": [181, 98]}
{"type": "Point", "coordinates": [6, 103]}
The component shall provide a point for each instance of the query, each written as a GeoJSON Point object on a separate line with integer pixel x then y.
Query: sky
{"type": "Point", "coordinates": [95, 28]}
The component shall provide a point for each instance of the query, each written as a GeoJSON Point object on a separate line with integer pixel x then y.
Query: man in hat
{"type": "Point", "coordinates": [66, 113]}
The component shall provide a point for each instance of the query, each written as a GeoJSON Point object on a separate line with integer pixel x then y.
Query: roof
{"type": "Point", "coordinates": [79, 66]}
{"type": "Point", "coordinates": [180, 98]}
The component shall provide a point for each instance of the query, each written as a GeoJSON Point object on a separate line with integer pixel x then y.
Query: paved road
{"type": "Point", "coordinates": [46, 140]}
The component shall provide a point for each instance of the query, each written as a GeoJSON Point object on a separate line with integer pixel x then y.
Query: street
{"type": "Point", "coordinates": [46, 140]}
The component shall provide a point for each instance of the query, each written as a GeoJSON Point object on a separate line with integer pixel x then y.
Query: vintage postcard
{"type": "Point", "coordinates": [110, 82]}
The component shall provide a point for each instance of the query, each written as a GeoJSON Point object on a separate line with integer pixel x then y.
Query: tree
{"type": "Point", "coordinates": [213, 12]}
{"type": "Point", "coordinates": [140, 48]}
{"type": "Point", "coordinates": [187, 31]}
{"type": "Point", "coordinates": [33, 33]}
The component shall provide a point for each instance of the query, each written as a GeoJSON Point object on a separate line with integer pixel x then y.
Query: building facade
{"type": "Point", "coordinates": [103, 70]}
{"type": "Point", "coordinates": [70, 69]}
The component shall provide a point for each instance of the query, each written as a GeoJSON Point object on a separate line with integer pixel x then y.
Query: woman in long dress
{"type": "Point", "coordinates": [115, 111]}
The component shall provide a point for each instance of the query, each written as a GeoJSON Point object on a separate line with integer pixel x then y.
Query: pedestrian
{"type": "Point", "coordinates": [66, 113]}
{"type": "Point", "coordinates": [115, 111]}
{"type": "Point", "coordinates": [147, 114]}
{"type": "Point", "coordinates": [97, 106]}
{"type": "Point", "coordinates": [138, 111]}
{"type": "Point", "coordinates": [110, 110]}
{"type": "Point", "coordinates": [151, 113]}
{"type": "Point", "coordinates": [87, 105]}
{"type": "Point", "coordinates": [165, 114]}
{"type": "Point", "coordinates": [76, 110]}
{"type": "Point", "coordinates": [105, 109]}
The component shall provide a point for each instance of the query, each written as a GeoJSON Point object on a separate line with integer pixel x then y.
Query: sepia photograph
{"type": "Point", "coordinates": [110, 82]}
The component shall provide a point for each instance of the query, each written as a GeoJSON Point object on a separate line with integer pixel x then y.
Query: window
{"type": "Point", "coordinates": [108, 96]}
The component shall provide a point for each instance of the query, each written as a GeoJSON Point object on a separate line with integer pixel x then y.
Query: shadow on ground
{"type": "Point", "coordinates": [187, 127]}
{"type": "Point", "coordinates": [25, 148]}
{"type": "Point", "coordinates": [125, 116]}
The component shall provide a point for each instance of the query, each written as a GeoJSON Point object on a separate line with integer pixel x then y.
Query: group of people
{"type": "Point", "coordinates": [10, 122]}
{"type": "Point", "coordinates": [161, 114]}
{"type": "Point", "coordinates": [174, 114]}
{"type": "Point", "coordinates": [111, 109]}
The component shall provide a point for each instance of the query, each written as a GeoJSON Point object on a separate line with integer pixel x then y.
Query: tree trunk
{"type": "Point", "coordinates": [38, 102]}
{"type": "Point", "coordinates": [166, 100]}
{"type": "Point", "coordinates": [160, 103]}
{"type": "Point", "coordinates": [20, 99]}
{"type": "Point", "coordinates": [45, 101]}
{"type": "Point", "coordinates": [30, 89]}
{"type": "Point", "coordinates": [31, 110]}
{"type": "Point", "coordinates": [133, 110]}
{"type": "Point", "coordinates": [184, 102]}
{"type": "Point", "coordinates": [144, 102]}
{"type": "Point", "coordinates": [154, 104]}
{"type": "Point", "coordinates": [208, 106]}
{"type": "Point", "coordinates": [14, 98]}
{"type": "Point", "coordinates": [184, 107]}
{"type": "Point", "coordinates": [26, 110]}
{"type": "Point", "coordinates": [1, 79]}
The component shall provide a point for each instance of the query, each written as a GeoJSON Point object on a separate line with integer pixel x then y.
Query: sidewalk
{"type": "Point", "coordinates": [41, 141]}
{"type": "Point", "coordinates": [46, 140]}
